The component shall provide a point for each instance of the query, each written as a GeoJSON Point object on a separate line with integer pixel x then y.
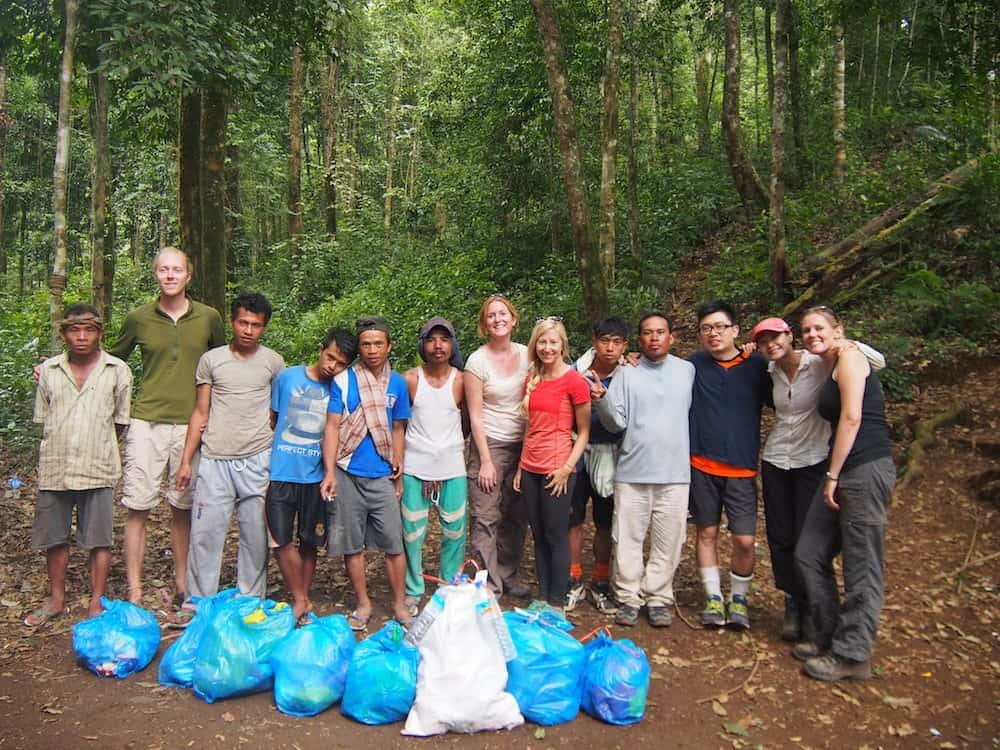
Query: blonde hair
{"type": "Point", "coordinates": [481, 323]}
{"type": "Point", "coordinates": [542, 327]}
{"type": "Point", "coordinates": [184, 255]}
{"type": "Point", "coordinates": [827, 313]}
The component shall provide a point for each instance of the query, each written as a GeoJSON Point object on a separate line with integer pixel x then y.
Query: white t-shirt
{"type": "Point", "coordinates": [800, 436]}
{"type": "Point", "coordinates": [502, 419]}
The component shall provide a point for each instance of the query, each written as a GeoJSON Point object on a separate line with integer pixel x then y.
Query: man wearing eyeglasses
{"type": "Point", "coordinates": [729, 390]}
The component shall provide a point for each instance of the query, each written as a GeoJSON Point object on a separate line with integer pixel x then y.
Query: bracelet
{"type": "Point", "coordinates": [831, 477]}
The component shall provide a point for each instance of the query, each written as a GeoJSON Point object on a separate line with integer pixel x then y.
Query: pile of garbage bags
{"type": "Point", "coordinates": [463, 665]}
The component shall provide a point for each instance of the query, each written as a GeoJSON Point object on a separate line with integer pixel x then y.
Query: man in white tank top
{"type": "Point", "coordinates": [434, 461]}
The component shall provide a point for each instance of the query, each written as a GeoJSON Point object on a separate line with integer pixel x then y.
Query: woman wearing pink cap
{"type": "Point", "coordinates": [794, 460]}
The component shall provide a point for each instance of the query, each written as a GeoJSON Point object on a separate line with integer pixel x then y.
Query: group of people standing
{"type": "Point", "coordinates": [350, 456]}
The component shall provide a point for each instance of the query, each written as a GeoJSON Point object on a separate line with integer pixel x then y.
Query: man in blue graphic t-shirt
{"type": "Point", "coordinates": [299, 399]}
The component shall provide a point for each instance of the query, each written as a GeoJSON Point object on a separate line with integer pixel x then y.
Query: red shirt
{"type": "Point", "coordinates": [549, 438]}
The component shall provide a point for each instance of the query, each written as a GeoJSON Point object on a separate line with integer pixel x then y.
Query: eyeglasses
{"type": "Point", "coordinates": [714, 328]}
{"type": "Point", "coordinates": [548, 319]}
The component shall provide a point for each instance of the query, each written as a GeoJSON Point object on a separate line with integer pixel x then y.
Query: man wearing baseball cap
{"type": "Point", "coordinates": [434, 461]}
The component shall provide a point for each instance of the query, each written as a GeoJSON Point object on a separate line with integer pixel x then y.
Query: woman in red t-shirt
{"type": "Point", "coordinates": [557, 398]}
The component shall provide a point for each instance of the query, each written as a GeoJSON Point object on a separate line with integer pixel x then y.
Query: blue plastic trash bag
{"type": "Point", "coordinates": [546, 676]}
{"type": "Point", "coordinates": [382, 678]}
{"type": "Point", "coordinates": [310, 666]}
{"type": "Point", "coordinates": [234, 655]}
{"type": "Point", "coordinates": [615, 681]}
{"type": "Point", "coordinates": [177, 664]}
{"type": "Point", "coordinates": [121, 640]}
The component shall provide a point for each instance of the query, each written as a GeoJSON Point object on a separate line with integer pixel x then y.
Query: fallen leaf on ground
{"type": "Point", "coordinates": [719, 709]}
{"type": "Point", "coordinates": [540, 733]}
{"type": "Point", "coordinates": [846, 696]}
{"type": "Point", "coordinates": [733, 727]}
{"type": "Point", "coordinates": [228, 717]}
{"type": "Point", "coordinates": [903, 730]}
{"type": "Point", "coordinates": [897, 702]}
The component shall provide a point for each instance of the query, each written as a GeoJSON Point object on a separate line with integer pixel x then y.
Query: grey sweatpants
{"type": "Point", "coordinates": [223, 486]}
{"type": "Point", "coordinates": [857, 531]}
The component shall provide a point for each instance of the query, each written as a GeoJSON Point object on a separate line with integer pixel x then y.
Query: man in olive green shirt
{"type": "Point", "coordinates": [172, 333]}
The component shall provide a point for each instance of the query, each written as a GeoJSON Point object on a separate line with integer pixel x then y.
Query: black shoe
{"type": "Point", "coordinates": [517, 589]}
{"type": "Point", "coordinates": [791, 625]}
{"type": "Point", "coordinates": [806, 650]}
{"type": "Point", "coordinates": [627, 615]}
{"type": "Point", "coordinates": [830, 668]}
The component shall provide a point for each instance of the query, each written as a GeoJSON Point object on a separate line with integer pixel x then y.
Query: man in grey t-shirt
{"type": "Point", "coordinates": [650, 402]}
{"type": "Point", "coordinates": [231, 422]}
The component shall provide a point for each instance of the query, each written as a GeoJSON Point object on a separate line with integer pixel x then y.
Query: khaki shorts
{"type": "Point", "coordinates": [153, 449]}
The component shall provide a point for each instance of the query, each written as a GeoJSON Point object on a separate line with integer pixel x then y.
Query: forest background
{"type": "Point", "coordinates": [409, 157]}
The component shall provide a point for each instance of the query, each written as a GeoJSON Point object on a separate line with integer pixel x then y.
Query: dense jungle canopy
{"type": "Point", "coordinates": [408, 157]}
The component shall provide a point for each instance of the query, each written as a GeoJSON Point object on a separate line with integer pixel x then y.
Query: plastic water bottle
{"type": "Point", "coordinates": [416, 632]}
{"type": "Point", "coordinates": [502, 631]}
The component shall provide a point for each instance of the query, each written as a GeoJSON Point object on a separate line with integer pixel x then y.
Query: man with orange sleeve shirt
{"type": "Point", "coordinates": [729, 390]}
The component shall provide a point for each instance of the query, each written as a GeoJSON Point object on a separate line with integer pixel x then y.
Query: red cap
{"type": "Point", "coordinates": [770, 325]}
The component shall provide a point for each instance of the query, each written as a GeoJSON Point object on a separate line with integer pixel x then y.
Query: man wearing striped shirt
{"type": "Point", "coordinates": [82, 402]}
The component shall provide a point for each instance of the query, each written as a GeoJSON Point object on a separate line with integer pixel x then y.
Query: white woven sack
{"type": "Point", "coordinates": [462, 673]}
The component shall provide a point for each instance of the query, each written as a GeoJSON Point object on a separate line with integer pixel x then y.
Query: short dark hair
{"type": "Point", "coordinates": [79, 310]}
{"type": "Point", "coordinates": [609, 327]}
{"type": "Point", "coordinates": [715, 306]}
{"type": "Point", "coordinates": [252, 302]}
{"type": "Point", "coordinates": [647, 314]}
{"type": "Point", "coordinates": [347, 342]}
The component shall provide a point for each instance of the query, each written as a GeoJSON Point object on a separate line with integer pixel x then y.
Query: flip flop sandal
{"type": "Point", "coordinates": [358, 623]}
{"type": "Point", "coordinates": [41, 616]}
{"type": "Point", "coordinates": [179, 620]}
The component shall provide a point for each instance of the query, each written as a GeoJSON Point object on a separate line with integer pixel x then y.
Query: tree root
{"type": "Point", "coordinates": [923, 439]}
{"type": "Point", "coordinates": [726, 693]}
{"type": "Point", "coordinates": [966, 566]}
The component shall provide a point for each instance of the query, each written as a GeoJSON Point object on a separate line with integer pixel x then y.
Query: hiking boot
{"type": "Point", "coordinates": [714, 614]}
{"type": "Point", "coordinates": [830, 668]}
{"type": "Point", "coordinates": [659, 616]}
{"type": "Point", "coordinates": [516, 588]}
{"type": "Point", "coordinates": [806, 650]}
{"type": "Point", "coordinates": [791, 625]}
{"type": "Point", "coordinates": [603, 598]}
{"type": "Point", "coordinates": [575, 593]}
{"type": "Point", "coordinates": [628, 615]}
{"type": "Point", "coordinates": [738, 614]}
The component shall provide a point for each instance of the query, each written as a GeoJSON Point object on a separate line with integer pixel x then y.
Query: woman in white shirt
{"type": "Point", "coordinates": [793, 464]}
{"type": "Point", "coordinates": [494, 386]}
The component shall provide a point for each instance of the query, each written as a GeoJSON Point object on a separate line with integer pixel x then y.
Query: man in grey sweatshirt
{"type": "Point", "coordinates": [650, 402]}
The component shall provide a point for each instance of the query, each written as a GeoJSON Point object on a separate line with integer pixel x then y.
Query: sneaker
{"type": "Point", "coordinates": [738, 614]}
{"type": "Point", "coordinates": [791, 625]}
{"type": "Point", "coordinates": [806, 650]}
{"type": "Point", "coordinates": [603, 598]}
{"type": "Point", "coordinates": [575, 593]}
{"type": "Point", "coordinates": [627, 616]}
{"type": "Point", "coordinates": [830, 668]}
{"type": "Point", "coordinates": [714, 614]}
{"type": "Point", "coordinates": [659, 616]}
{"type": "Point", "coordinates": [516, 588]}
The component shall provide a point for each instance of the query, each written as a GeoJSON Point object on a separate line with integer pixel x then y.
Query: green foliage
{"type": "Point", "coordinates": [23, 336]}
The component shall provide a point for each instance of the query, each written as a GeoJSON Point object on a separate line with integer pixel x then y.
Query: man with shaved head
{"type": "Point", "coordinates": [171, 333]}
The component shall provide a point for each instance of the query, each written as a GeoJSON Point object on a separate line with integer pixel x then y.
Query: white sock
{"type": "Point", "coordinates": [710, 580]}
{"type": "Point", "coordinates": [740, 585]}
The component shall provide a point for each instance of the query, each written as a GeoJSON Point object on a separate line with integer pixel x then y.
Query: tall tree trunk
{"type": "Point", "coordinates": [795, 87]}
{"type": "Point", "coordinates": [295, 157]}
{"type": "Point", "coordinates": [839, 103]}
{"type": "Point", "coordinates": [609, 142]}
{"type": "Point", "coordinates": [703, 99]}
{"type": "Point", "coordinates": [213, 196]}
{"type": "Point", "coordinates": [390, 151]}
{"type": "Point", "coordinates": [3, 158]}
{"type": "Point", "coordinates": [768, 53]}
{"type": "Point", "coordinates": [593, 283]}
{"type": "Point", "coordinates": [100, 182]}
{"type": "Point", "coordinates": [234, 202]}
{"type": "Point", "coordinates": [878, 39]}
{"type": "Point", "coordinates": [756, 74]}
{"type": "Point", "coordinates": [777, 251]}
{"type": "Point", "coordinates": [22, 248]}
{"type": "Point", "coordinates": [189, 185]}
{"type": "Point", "coordinates": [57, 281]}
{"type": "Point", "coordinates": [748, 184]}
{"type": "Point", "coordinates": [111, 256]}
{"type": "Point", "coordinates": [331, 131]}
{"type": "Point", "coordinates": [633, 160]}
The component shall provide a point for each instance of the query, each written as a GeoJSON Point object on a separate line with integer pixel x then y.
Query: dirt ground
{"type": "Point", "coordinates": [937, 663]}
